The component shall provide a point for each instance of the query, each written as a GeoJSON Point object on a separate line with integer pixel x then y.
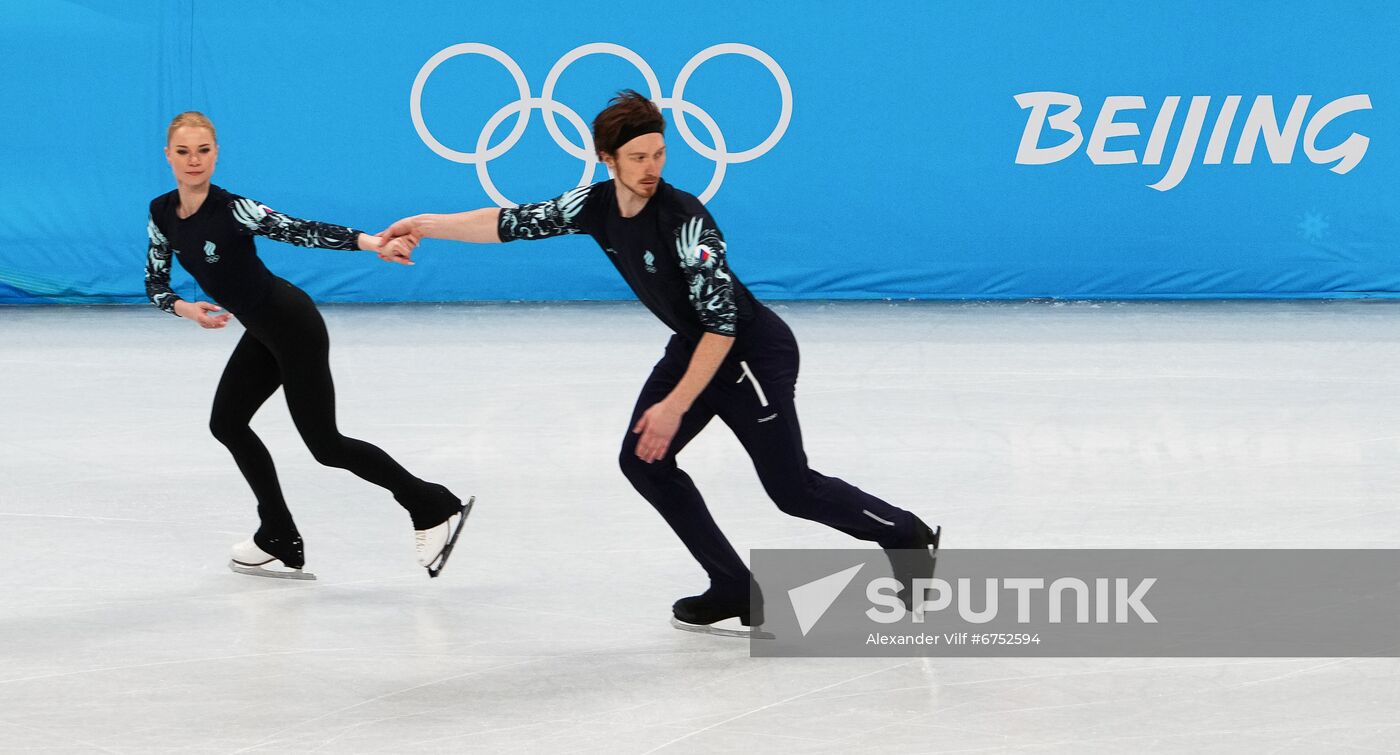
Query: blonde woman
{"type": "Point", "coordinates": [210, 231]}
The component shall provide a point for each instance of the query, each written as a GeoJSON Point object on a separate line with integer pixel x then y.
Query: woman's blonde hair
{"type": "Point", "coordinates": [190, 118]}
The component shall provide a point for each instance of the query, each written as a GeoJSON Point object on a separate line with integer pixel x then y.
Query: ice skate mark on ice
{"type": "Point", "coordinates": [273, 738]}
{"type": "Point", "coordinates": [762, 708]}
{"type": "Point", "coordinates": [181, 661]}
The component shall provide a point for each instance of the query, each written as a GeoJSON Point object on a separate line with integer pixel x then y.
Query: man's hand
{"type": "Point", "coordinates": [199, 312]}
{"type": "Point", "coordinates": [398, 249]}
{"type": "Point", "coordinates": [658, 426]}
{"type": "Point", "coordinates": [405, 227]}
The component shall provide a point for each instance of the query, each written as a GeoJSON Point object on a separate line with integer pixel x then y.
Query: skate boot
{"type": "Point", "coordinates": [434, 544]}
{"type": "Point", "coordinates": [914, 560]}
{"type": "Point", "coordinates": [279, 557]}
{"type": "Point", "coordinates": [726, 613]}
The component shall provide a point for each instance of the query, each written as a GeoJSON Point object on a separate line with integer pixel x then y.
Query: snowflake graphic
{"type": "Point", "coordinates": [1313, 226]}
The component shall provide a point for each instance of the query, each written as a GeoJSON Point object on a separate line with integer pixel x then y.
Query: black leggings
{"type": "Point", "coordinates": [285, 344]}
{"type": "Point", "coordinates": [754, 394]}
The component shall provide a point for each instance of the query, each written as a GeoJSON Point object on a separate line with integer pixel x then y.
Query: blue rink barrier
{"type": "Point", "coordinates": [927, 150]}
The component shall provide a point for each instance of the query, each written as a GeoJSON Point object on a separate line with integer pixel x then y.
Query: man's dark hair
{"type": "Point", "coordinates": [627, 116]}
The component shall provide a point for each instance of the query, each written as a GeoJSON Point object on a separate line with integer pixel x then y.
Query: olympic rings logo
{"type": "Point", "coordinates": [584, 151]}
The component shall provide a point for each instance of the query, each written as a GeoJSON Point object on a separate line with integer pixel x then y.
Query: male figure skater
{"type": "Point", "coordinates": [730, 357]}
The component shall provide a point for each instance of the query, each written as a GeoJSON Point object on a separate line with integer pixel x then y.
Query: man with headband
{"type": "Point", "coordinates": [730, 357]}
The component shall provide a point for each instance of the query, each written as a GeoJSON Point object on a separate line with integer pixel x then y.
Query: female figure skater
{"type": "Point", "coordinates": [210, 231]}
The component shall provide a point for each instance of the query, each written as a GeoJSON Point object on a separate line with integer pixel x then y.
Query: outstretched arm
{"type": "Point", "coordinates": [489, 225]}
{"type": "Point", "coordinates": [261, 220]}
{"type": "Point", "coordinates": [476, 227]}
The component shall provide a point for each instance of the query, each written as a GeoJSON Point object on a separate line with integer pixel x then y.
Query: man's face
{"type": "Point", "coordinates": [637, 164]}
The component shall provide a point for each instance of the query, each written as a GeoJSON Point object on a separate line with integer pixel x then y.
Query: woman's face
{"type": "Point", "coordinates": [192, 154]}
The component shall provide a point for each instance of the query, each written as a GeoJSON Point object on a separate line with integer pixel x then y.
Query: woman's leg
{"type": "Point", "coordinates": [249, 378]}
{"type": "Point", "coordinates": [296, 335]}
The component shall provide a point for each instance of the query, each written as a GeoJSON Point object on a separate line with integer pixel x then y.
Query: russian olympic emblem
{"type": "Point", "coordinates": [584, 151]}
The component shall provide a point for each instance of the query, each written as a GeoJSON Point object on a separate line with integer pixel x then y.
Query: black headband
{"type": "Point", "coordinates": [632, 132]}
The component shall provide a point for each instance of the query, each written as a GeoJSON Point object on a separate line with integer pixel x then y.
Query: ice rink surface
{"type": "Point", "coordinates": [1024, 425]}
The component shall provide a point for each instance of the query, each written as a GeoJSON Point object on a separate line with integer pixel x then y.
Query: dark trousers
{"type": "Point", "coordinates": [285, 344]}
{"type": "Point", "coordinates": [753, 393]}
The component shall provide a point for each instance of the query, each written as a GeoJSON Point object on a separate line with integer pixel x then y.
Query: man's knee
{"type": "Point", "coordinates": [632, 467]}
{"type": "Point", "coordinates": [793, 494]}
{"type": "Point", "coordinates": [790, 502]}
{"type": "Point", "coordinates": [640, 472]}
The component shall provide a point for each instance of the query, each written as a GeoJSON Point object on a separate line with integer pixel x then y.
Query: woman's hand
{"type": "Point", "coordinates": [399, 249]}
{"type": "Point", "coordinates": [199, 312]}
{"type": "Point", "coordinates": [390, 249]}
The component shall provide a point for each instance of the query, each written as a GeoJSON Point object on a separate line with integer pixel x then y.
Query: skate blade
{"type": "Point", "coordinates": [933, 550]}
{"type": "Point", "coordinates": [436, 567]}
{"type": "Point", "coordinates": [721, 631]}
{"type": "Point", "coordinates": [259, 571]}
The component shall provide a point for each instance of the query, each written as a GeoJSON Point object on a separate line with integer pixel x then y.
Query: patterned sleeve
{"type": "Point", "coordinates": [158, 269]}
{"type": "Point", "coordinates": [557, 217]}
{"type": "Point", "coordinates": [700, 247]}
{"type": "Point", "coordinates": [261, 220]}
